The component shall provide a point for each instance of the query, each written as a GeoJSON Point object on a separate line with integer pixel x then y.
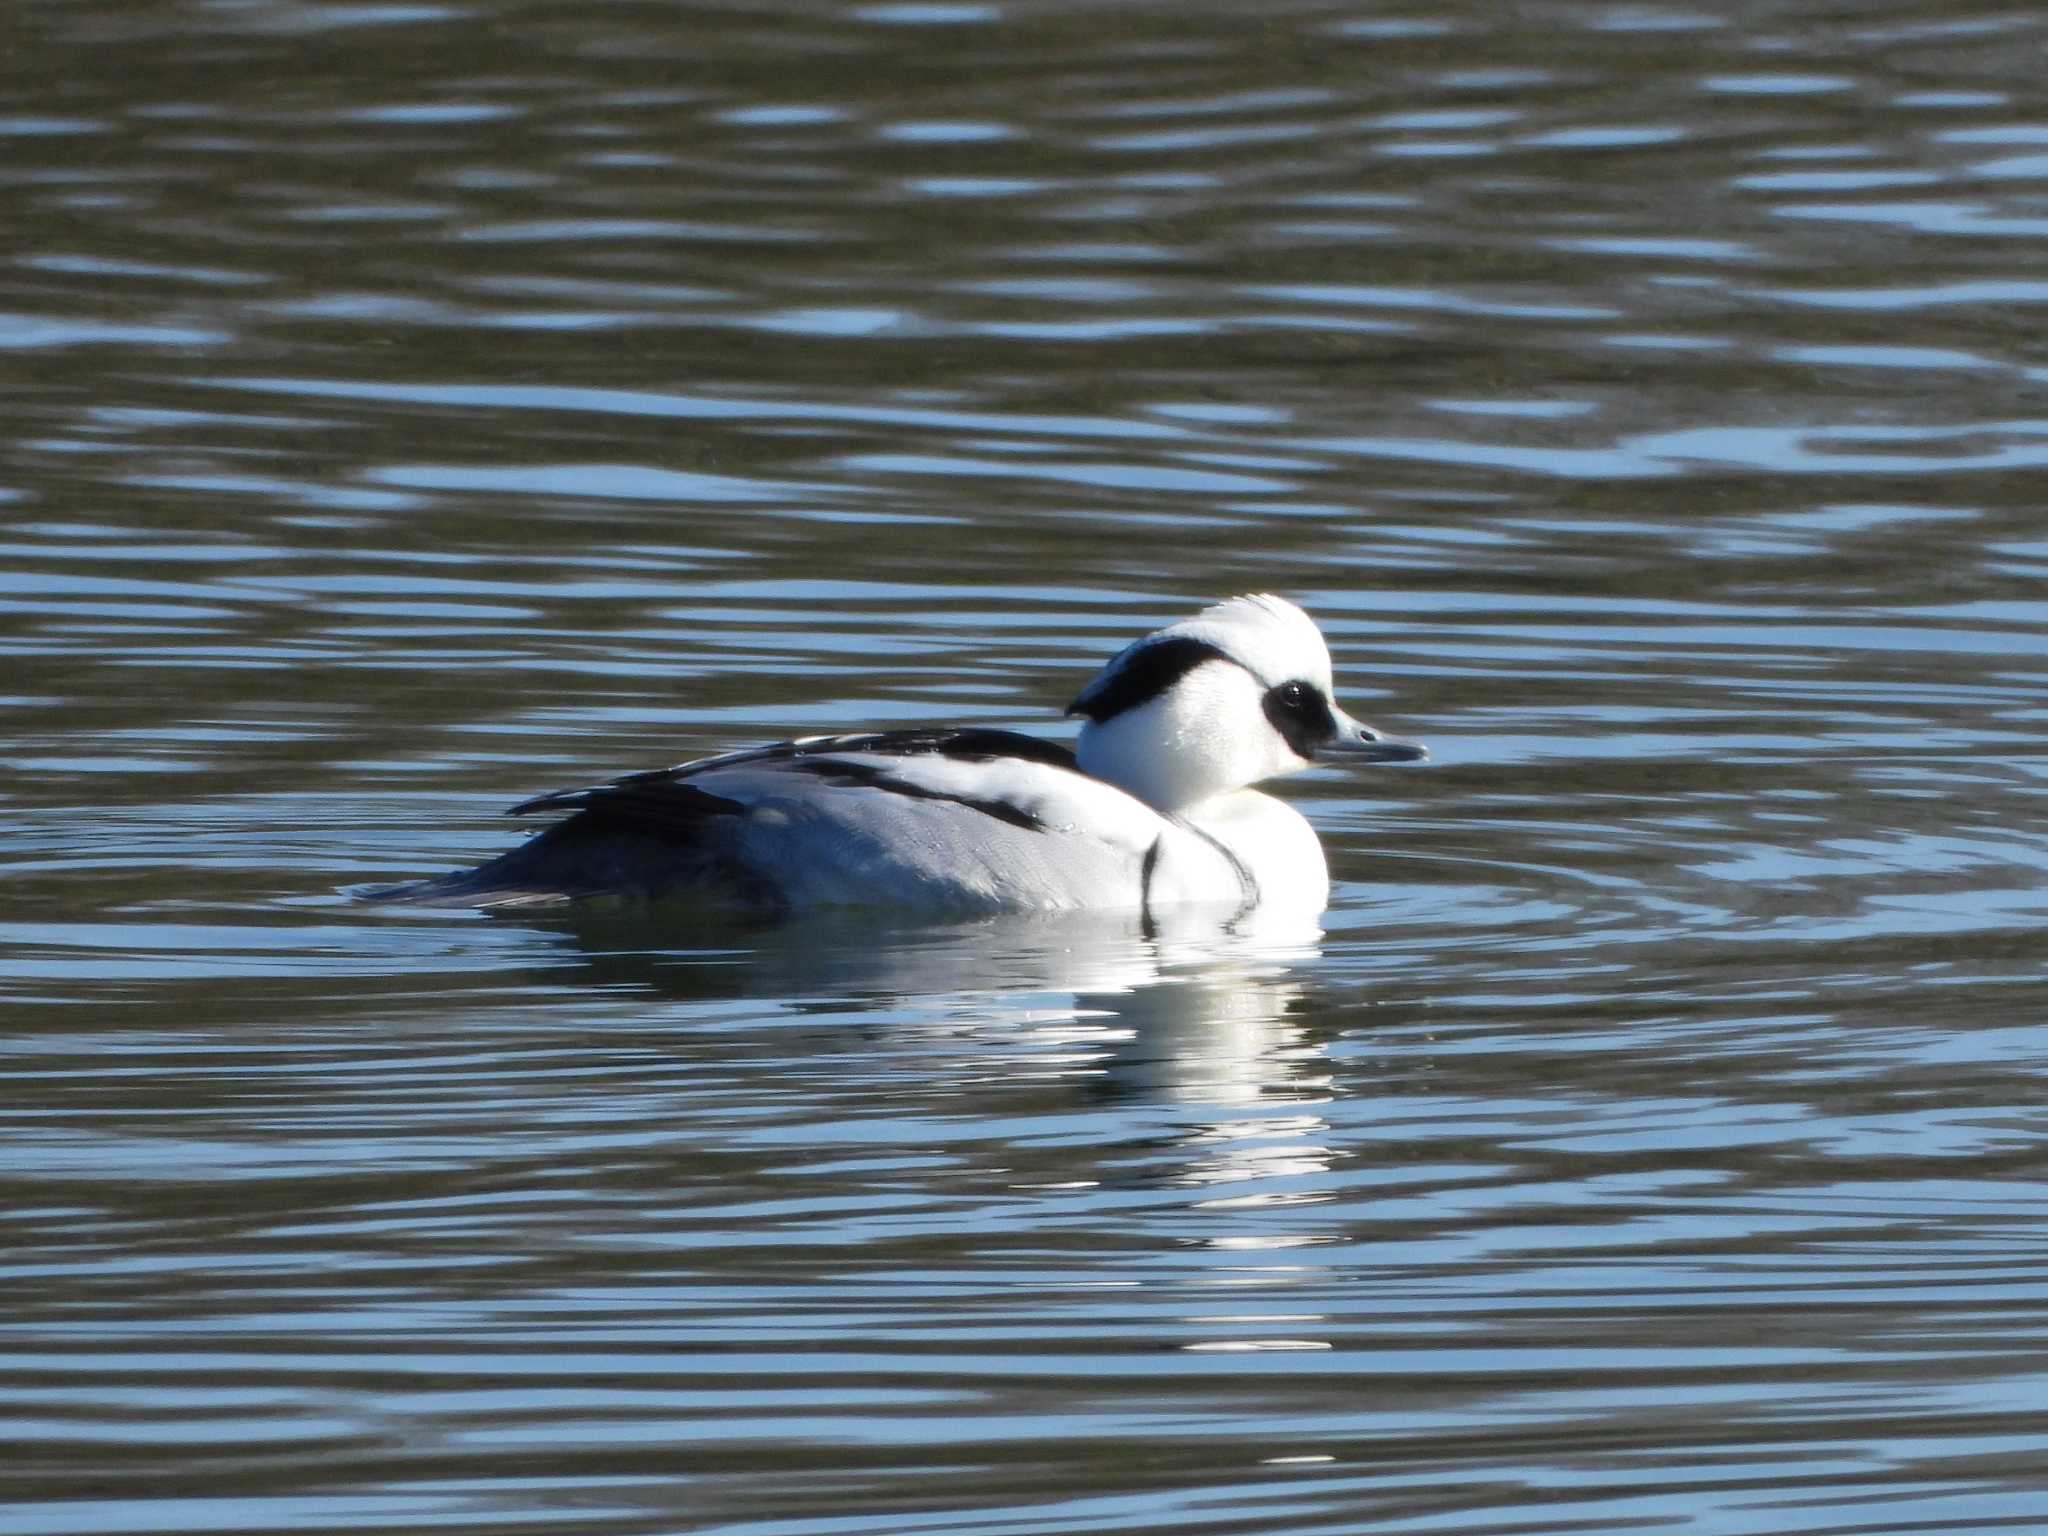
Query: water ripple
{"type": "Point", "coordinates": [1647, 1137]}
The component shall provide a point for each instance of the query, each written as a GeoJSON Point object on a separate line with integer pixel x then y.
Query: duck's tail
{"type": "Point", "coordinates": [591, 857]}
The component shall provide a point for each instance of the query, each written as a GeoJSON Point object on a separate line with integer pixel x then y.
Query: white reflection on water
{"type": "Point", "coordinates": [1195, 1005]}
{"type": "Point", "coordinates": [1197, 1025]}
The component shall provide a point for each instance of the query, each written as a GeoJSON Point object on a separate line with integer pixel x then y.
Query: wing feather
{"type": "Point", "coordinates": [830, 819]}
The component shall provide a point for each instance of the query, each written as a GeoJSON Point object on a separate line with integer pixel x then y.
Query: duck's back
{"type": "Point", "coordinates": [968, 820]}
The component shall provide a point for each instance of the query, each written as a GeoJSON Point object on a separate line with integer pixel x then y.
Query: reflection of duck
{"type": "Point", "coordinates": [1153, 808]}
{"type": "Point", "coordinates": [1201, 1007]}
{"type": "Point", "coordinates": [1229, 1033]}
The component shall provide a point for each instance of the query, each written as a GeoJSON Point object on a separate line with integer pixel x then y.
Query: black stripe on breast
{"type": "Point", "coordinates": [1246, 880]}
{"type": "Point", "coordinates": [1141, 674]}
{"type": "Point", "coordinates": [1146, 924]}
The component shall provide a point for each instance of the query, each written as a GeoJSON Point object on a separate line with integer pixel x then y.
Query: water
{"type": "Point", "coordinates": [414, 407]}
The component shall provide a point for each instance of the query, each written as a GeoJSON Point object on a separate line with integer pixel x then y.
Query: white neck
{"type": "Point", "coordinates": [1205, 736]}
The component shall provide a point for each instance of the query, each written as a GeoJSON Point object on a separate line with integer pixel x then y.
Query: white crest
{"type": "Point", "coordinates": [1268, 636]}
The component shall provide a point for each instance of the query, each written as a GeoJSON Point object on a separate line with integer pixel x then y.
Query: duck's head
{"type": "Point", "coordinates": [1238, 693]}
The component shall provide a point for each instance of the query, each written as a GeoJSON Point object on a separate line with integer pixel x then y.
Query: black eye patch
{"type": "Point", "coordinates": [1300, 713]}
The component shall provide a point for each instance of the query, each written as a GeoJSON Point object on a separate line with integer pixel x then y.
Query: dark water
{"type": "Point", "coordinates": [414, 406]}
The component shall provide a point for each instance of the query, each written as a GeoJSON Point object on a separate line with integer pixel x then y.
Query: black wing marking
{"type": "Point", "coordinates": [666, 797]}
{"type": "Point", "coordinates": [643, 835]}
{"type": "Point", "coordinates": [659, 797]}
{"type": "Point", "coordinates": [867, 775]}
{"type": "Point", "coordinates": [972, 744]}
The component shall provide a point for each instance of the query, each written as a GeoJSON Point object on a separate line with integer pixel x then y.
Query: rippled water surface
{"type": "Point", "coordinates": [412, 407]}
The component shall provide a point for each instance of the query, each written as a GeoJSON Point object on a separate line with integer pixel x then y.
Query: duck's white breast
{"type": "Point", "coordinates": [1279, 852]}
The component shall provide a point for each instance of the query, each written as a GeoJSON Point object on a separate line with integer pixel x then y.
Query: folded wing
{"type": "Point", "coordinates": [969, 820]}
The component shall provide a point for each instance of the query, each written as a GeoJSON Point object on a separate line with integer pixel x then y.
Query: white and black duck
{"type": "Point", "coordinates": [1153, 807]}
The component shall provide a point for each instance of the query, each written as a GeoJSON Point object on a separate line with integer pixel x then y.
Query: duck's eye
{"type": "Point", "coordinates": [1300, 713]}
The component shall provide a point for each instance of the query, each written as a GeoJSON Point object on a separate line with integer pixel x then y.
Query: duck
{"type": "Point", "coordinates": [1153, 806]}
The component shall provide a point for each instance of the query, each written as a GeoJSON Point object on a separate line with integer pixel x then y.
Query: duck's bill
{"type": "Point", "coordinates": [1357, 742]}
